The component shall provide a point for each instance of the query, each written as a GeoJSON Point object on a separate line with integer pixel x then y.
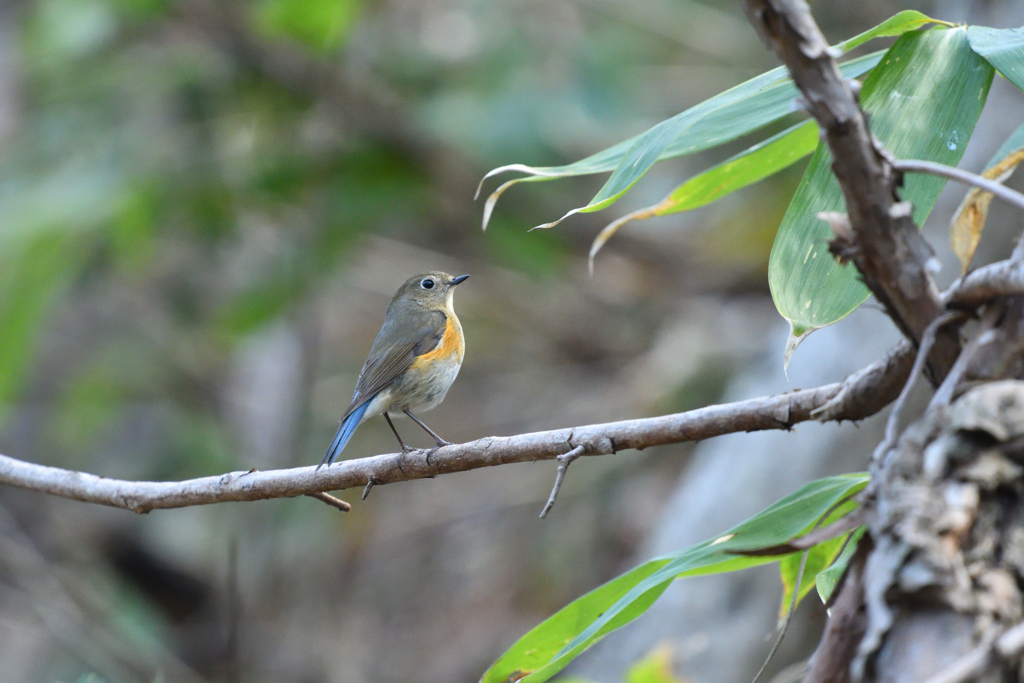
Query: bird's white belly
{"type": "Point", "coordinates": [418, 390]}
{"type": "Point", "coordinates": [422, 389]}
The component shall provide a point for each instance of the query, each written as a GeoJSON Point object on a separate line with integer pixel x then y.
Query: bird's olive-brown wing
{"type": "Point", "coordinates": [407, 332]}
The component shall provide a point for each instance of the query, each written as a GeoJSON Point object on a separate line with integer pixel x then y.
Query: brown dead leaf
{"type": "Point", "coordinates": [969, 220]}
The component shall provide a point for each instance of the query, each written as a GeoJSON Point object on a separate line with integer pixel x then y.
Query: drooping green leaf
{"type": "Point", "coordinates": [725, 117]}
{"type": "Point", "coordinates": [924, 99]}
{"type": "Point", "coordinates": [818, 558]}
{"type": "Point", "coordinates": [1003, 48]}
{"type": "Point", "coordinates": [549, 647]}
{"type": "Point", "coordinates": [747, 167]}
{"type": "Point", "coordinates": [732, 114]}
{"type": "Point", "coordinates": [826, 581]}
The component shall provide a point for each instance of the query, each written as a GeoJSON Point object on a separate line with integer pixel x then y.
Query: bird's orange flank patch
{"type": "Point", "coordinates": [450, 348]}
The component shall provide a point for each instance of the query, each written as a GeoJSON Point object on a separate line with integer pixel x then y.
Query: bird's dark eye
{"type": "Point", "coordinates": [427, 283]}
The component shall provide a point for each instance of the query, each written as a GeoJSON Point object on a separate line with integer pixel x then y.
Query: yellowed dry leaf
{"type": "Point", "coordinates": [969, 220]}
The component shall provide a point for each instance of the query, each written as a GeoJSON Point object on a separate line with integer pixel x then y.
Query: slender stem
{"type": "Point", "coordinates": [331, 500]}
{"type": "Point", "coordinates": [563, 466]}
{"type": "Point", "coordinates": [966, 177]}
{"type": "Point", "coordinates": [927, 340]}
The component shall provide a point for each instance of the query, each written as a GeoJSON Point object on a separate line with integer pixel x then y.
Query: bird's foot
{"type": "Point", "coordinates": [440, 444]}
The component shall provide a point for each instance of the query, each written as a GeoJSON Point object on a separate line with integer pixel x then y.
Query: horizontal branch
{"type": "Point", "coordinates": [854, 399]}
{"type": "Point", "coordinates": [860, 395]}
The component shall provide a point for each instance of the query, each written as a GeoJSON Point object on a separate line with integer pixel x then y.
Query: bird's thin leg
{"type": "Point", "coordinates": [439, 440]}
{"type": "Point", "coordinates": [405, 449]}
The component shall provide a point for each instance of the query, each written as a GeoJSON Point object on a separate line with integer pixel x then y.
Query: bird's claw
{"type": "Point", "coordinates": [440, 444]}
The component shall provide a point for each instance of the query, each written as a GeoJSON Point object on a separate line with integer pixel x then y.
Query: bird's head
{"type": "Point", "coordinates": [432, 290]}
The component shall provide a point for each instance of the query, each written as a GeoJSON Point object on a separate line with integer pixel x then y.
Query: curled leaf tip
{"type": "Point", "coordinates": [796, 337]}
{"type": "Point", "coordinates": [548, 226]}
{"type": "Point", "coordinates": [522, 168]}
{"type": "Point", "coordinates": [609, 231]}
{"type": "Point", "coordinates": [493, 199]}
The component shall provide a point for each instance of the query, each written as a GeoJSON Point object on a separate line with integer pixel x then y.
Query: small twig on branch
{"type": "Point", "coordinates": [563, 466]}
{"type": "Point", "coordinates": [366, 490]}
{"type": "Point", "coordinates": [944, 394]}
{"type": "Point", "coordinates": [893, 423]}
{"type": "Point", "coordinates": [331, 500]}
{"type": "Point", "coordinates": [966, 177]}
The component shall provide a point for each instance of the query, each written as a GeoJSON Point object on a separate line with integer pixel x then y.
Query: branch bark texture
{"type": "Point", "coordinates": [887, 248]}
{"type": "Point", "coordinates": [935, 573]}
{"type": "Point", "coordinates": [860, 396]}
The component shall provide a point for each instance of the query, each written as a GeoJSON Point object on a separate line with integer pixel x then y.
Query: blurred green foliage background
{"type": "Point", "coordinates": [205, 207]}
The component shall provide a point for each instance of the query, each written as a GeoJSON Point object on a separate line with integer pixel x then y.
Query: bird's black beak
{"type": "Point", "coordinates": [459, 279]}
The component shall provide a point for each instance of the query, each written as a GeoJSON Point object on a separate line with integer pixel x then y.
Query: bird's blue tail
{"type": "Point", "coordinates": [345, 432]}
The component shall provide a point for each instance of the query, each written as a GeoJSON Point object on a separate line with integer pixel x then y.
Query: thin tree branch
{"type": "Point", "coordinates": [984, 284]}
{"type": "Point", "coordinates": [871, 388]}
{"type": "Point", "coordinates": [966, 177]}
{"type": "Point", "coordinates": [886, 247]}
{"type": "Point", "coordinates": [893, 423]}
{"type": "Point", "coordinates": [859, 396]}
{"type": "Point", "coordinates": [563, 466]}
{"type": "Point", "coordinates": [331, 500]}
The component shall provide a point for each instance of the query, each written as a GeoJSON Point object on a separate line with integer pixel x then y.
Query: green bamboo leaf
{"type": "Point", "coordinates": [818, 558]}
{"type": "Point", "coordinates": [732, 114]}
{"type": "Point", "coordinates": [1003, 48]}
{"type": "Point", "coordinates": [548, 648]}
{"type": "Point", "coordinates": [725, 117]}
{"type": "Point", "coordinates": [924, 99]}
{"type": "Point", "coordinates": [747, 167]}
{"type": "Point", "coordinates": [827, 580]}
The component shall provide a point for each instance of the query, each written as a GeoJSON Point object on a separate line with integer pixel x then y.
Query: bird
{"type": "Point", "coordinates": [413, 361]}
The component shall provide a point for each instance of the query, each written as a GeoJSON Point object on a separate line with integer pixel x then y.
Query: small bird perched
{"type": "Point", "coordinates": [413, 361]}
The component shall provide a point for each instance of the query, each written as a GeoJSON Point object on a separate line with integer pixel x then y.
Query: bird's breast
{"type": "Point", "coordinates": [451, 349]}
{"type": "Point", "coordinates": [428, 379]}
